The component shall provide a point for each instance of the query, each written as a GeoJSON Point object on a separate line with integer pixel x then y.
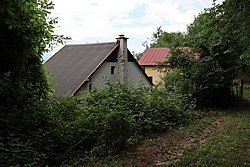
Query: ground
{"type": "Point", "coordinates": [217, 138]}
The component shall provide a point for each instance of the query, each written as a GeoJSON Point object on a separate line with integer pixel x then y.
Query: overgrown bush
{"type": "Point", "coordinates": [22, 121]}
{"type": "Point", "coordinates": [176, 82]}
{"type": "Point", "coordinates": [199, 78]}
{"type": "Point", "coordinates": [167, 110]}
{"type": "Point", "coordinates": [105, 121]}
{"type": "Point", "coordinates": [96, 123]}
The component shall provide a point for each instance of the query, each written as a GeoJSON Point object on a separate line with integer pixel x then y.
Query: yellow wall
{"type": "Point", "coordinates": [152, 71]}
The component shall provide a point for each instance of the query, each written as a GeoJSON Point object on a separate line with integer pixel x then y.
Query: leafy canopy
{"type": "Point", "coordinates": [26, 31]}
{"type": "Point", "coordinates": [213, 53]}
{"type": "Point", "coordinates": [166, 39]}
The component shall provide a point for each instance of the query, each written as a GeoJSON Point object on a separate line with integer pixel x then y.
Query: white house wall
{"type": "Point", "coordinates": [136, 77]}
{"type": "Point", "coordinates": [102, 76]}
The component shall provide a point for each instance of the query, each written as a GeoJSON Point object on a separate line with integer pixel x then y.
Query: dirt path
{"type": "Point", "coordinates": [167, 149]}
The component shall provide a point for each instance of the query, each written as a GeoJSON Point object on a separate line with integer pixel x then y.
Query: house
{"type": "Point", "coordinates": [150, 60]}
{"type": "Point", "coordinates": [84, 67]}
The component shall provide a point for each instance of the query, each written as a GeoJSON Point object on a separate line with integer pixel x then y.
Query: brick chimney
{"type": "Point", "coordinates": [123, 60]}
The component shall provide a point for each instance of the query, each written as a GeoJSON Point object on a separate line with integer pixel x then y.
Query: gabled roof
{"type": "Point", "coordinates": [73, 64]}
{"type": "Point", "coordinates": [153, 55]}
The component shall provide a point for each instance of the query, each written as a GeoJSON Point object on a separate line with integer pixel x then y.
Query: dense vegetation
{"type": "Point", "coordinates": [215, 138]}
{"type": "Point", "coordinates": [211, 55]}
{"type": "Point", "coordinates": [106, 121]}
{"type": "Point", "coordinates": [37, 129]}
{"type": "Point", "coordinates": [26, 32]}
{"type": "Point", "coordinates": [229, 147]}
{"type": "Point", "coordinates": [97, 123]}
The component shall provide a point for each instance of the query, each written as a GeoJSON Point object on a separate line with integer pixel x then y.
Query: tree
{"type": "Point", "coordinates": [220, 35]}
{"type": "Point", "coordinates": [26, 32]}
{"type": "Point", "coordinates": [223, 33]}
{"type": "Point", "coordinates": [165, 39]}
{"type": "Point", "coordinates": [138, 56]}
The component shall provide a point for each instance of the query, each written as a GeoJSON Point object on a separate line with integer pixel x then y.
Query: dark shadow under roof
{"type": "Point", "coordinates": [73, 64]}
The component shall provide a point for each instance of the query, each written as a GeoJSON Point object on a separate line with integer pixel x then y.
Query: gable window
{"type": "Point", "coordinates": [112, 70]}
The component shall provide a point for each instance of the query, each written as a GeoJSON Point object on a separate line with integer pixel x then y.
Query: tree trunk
{"type": "Point", "coordinates": [241, 88]}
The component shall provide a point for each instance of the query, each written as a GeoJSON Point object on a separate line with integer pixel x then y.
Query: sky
{"type": "Point", "coordinates": [92, 21]}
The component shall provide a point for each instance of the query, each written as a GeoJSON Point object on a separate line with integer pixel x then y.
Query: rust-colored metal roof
{"type": "Point", "coordinates": [153, 55]}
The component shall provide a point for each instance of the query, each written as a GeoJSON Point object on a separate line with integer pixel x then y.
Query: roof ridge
{"type": "Point", "coordinates": [159, 48]}
{"type": "Point", "coordinates": [91, 44]}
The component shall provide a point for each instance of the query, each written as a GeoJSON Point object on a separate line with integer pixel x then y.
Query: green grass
{"type": "Point", "coordinates": [228, 148]}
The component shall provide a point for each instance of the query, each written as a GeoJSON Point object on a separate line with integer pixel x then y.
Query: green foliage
{"type": "Point", "coordinates": [166, 39]}
{"type": "Point", "coordinates": [201, 79]}
{"type": "Point", "coordinates": [95, 123]}
{"type": "Point", "coordinates": [19, 153]}
{"type": "Point", "coordinates": [245, 59]}
{"type": "Point", "coordinates": [213, 53]}
{"type": "Point", "coordinates": [227, 148]}
{"type": "Point", "coordinates": [222, 32]}
{"type": "Point", "coordinates": [166, 110]}
{"type": "Point", "coordinates": [138, 56]}
{"type": "Point", "coordinates": [26, 32]}
{"type": "Point", "coordinates": [214, 138]}
{"type": "Point", "coordinates": [177, 83]}
{"type": "Point", "coordinates": [25, 135]}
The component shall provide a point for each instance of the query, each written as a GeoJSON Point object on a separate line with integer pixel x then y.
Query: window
{"type": "Point", "coordinates": [112, 69]}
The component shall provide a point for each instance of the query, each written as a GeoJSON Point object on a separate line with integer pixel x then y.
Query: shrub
{"type": "Point", "coordinates": [92, 124]}
{"type": "Point", "coordinates": [167, 110]}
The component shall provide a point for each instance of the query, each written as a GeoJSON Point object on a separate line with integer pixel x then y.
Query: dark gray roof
{"type": "Point", "coordinates": [73, 64]}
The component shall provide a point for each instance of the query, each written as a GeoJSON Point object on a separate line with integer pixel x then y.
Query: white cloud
{"type": "Point", "coordinates": [88, 21]}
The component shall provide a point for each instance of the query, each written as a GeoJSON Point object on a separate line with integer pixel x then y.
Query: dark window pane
{"type": "Point", "coordinates": [112, 69]}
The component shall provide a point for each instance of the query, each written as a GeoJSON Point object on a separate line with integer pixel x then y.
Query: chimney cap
{"type": "Point", "coordinates": [121, 36]}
